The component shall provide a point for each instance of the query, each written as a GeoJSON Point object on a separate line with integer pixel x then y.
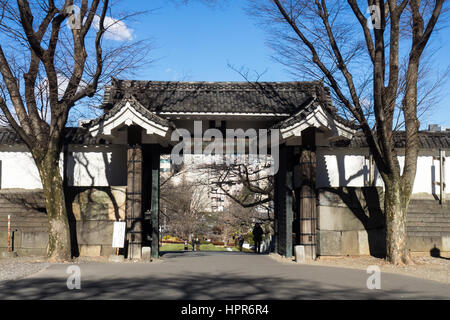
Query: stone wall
{"type": "Point", "coordinates": [92, 215]}
{"type": "Point", "coordinates": [29, 223]}
{"type": "Point", "coordinates": [350, 222]}
{"type": "Point", "coordinates": [428, 226]}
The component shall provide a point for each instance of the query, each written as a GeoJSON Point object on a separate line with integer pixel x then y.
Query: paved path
{"type": "Point", "coordinates": [214, 276]}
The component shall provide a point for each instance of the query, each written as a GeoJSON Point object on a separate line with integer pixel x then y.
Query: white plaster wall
{"type": "Point", "coordinates": [348, 168]}
{"type": "Point", "coordinates": [97, 166]}
{"type": "Point", "coordinates": [106, 166]}
{"type": "Point", "coordinates": [18, 170]}
{"type": "Point", "coordinates": [428, 172]}
{"type": "Point", "coordinates": [88, 166]}
{"type": "Point", "coordinates": [341, 167]}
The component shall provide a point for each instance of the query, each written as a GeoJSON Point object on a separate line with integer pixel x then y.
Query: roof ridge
{"type": "Point", "coordinates": [201, 86]}
{"type": "Point", "coordinates": [315, 82]}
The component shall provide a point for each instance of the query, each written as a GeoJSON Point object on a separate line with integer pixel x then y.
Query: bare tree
{"type": "Point", "coordinates": [248, 184]}
{"type": "Point", "coordinates": [250, 188]}
{"type": "Point", "coordinates": [184, 204]}
{"type": "Point", "coordinates": [373, 68]}
{"type": "Point", "coordinates": [246, 217]}
{"type": "Point", "coordinates": [54, 56]}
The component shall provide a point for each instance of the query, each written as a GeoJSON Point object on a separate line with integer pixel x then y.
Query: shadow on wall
{"type": "Point", "coordinates": [337, 170]}
{"type": "Point", "coordinates": [75, 194]}
{"type": "Point", "coordinates": [364, 203]}
{"type": "Point", "coordinates": [27, 199]}
{"type": "Point", "coordinates": [435, 181]}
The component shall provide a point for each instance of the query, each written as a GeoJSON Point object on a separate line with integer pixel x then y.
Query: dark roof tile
{"type": "Point", "coordinates": [224, 97]}
{"type": "Point", "coordinates": [428, 140]}
{"type": "Point", "coordinates": [7, 136]}
{"type": "Point", "coordinates": [71, 135]}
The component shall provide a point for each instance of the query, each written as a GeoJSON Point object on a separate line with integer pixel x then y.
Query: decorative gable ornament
{"type": "Point", "coordinates": [127, 113]}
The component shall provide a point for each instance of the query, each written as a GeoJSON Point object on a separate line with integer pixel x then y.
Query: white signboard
{"type": "Point", "coordinates": [119, 235]}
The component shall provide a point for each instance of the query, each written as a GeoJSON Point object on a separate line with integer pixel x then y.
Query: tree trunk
{"type": "Point", "coordinates": [58, 248]}
{"type": "Point", "coordinates": [396, 203]}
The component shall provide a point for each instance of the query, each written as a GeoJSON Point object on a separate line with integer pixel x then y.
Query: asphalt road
{"type": "Point", "coordinates": [217, 276]}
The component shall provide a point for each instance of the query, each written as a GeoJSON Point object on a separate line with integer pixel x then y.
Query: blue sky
{"type": "Point", "coordinates": [196, 42]}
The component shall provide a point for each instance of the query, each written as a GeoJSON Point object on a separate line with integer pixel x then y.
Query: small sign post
{"type": "Point", "coordinates": [9, 234]}
{"type": "Point", "coordinates": [119, 235]}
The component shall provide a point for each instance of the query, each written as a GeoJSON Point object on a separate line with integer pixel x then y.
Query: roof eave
{"type": "Point", "coordinates": [318, 118]}
{"type": "Point", "coordinates": [129, 112]}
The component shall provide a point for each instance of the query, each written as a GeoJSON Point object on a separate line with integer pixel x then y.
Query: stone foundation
{"type": "Point", "coordinates": [92, 215]}
{"type": "Point", "coordinates": [94, 211]}
{"type": "Point", "coordinates": [352, 223]}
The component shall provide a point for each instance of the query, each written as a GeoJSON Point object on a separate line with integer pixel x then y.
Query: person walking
{"type": "Point", "coordinates": [197, 242]}
{"type": "Point", "coordinates": [241, 242]}
{"type": "Point", "coordinates": [257, 237]}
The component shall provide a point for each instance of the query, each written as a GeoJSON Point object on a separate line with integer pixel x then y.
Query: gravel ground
{"type": "Point", "coordinates": [429, 268]}
{"type": "Point", "coordinates": [19, 268]}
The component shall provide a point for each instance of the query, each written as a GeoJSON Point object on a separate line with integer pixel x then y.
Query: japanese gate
{"type": "Point", "coordinates": [143, 115]}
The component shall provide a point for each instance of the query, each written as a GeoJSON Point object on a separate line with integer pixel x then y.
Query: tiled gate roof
{"type": "Point", "coordinates": [218, 97]}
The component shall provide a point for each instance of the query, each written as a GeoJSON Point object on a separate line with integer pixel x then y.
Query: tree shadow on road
{"type": "Point", "coordinates": [195, 286]}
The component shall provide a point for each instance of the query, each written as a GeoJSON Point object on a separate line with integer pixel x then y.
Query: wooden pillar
{"type": "Point", "coordinates": [134, 212]}
{"type": "Point", "coordinates": [150, 197]}
{"type": "Point", "coordinates": [308, 216]}
{"type": "Point", "coordinates": [155, 192]}
{"type": "Point", "coordinates": [296, 221]}
{"type": "Point", "coordinates": [284, 203]}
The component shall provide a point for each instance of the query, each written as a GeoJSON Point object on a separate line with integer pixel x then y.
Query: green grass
{"type": "Point", "coordinates": [203, 247]}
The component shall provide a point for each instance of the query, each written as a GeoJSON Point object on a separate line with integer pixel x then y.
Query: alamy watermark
{"type": "Point", "coordinates": [374, 281]}
{"type": "Point", "coordinates": [74, 280]}
{"type": "Point", "coordinates": [374, 21]}
{"type": "Point", "coordinates": [74, 19]}
{"type": "Point", "coordinates": [252, 143]}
